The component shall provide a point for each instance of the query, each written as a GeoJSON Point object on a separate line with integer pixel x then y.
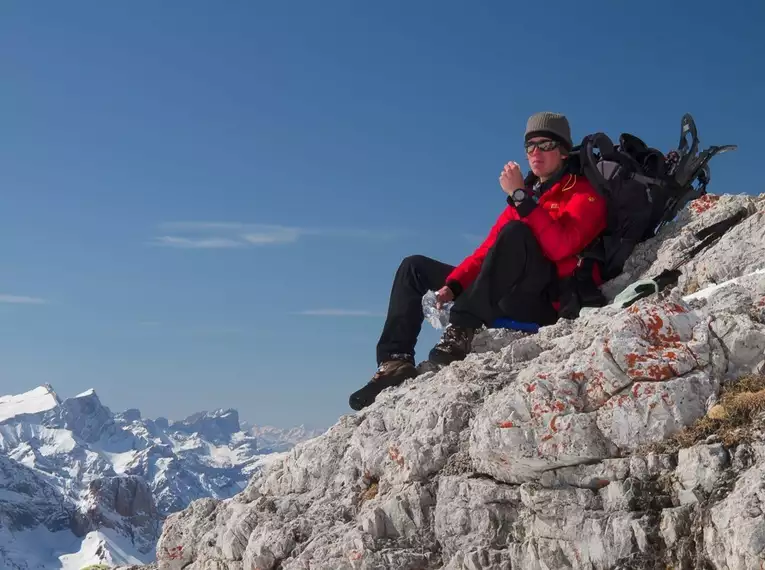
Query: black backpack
{"type": "Point", "coordinates": [644, 190]}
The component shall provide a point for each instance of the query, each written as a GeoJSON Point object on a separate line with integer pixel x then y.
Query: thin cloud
{"type": "Point", "coordinates": [196, 243]}
{"type": "Point", "coordinates": [338, 313]}
{"type": "Point", "coordinates": [228, 235]}
{"type": "Point", "coordinates": [272, 235]}
{"type": "Point", "coordinates": [201, 226]}
{"type": "Point", "coordinates": [21, 300]}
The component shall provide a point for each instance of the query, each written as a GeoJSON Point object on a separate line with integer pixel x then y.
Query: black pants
{"type": "Point", "coordinates": [516, 281]}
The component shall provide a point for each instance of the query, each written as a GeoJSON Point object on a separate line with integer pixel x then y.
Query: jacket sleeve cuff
{"type": "Point", "coordinates": [524, 208]}
{"type": "Point", "coordinates": [455, 286]}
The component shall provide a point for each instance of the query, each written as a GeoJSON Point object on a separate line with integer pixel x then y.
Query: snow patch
{"type": "Point", "coordinates": [103, 547]}
{"type": "Point", "coordinates": [41, 399]}
{"type": "Point", "coordinates": [35, 549]}
{"type": "Point", "coordinates": [120, 461]}
{"type": "Point", "coordinates": [707, 291]}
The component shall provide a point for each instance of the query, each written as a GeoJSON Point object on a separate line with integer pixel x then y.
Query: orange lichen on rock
{"type": "Point", "coordinates": [658, 331]}
{"type": "Point", "coordinates": [661, 352]}
{"type": "Point", "coordinates": [674, 308]}
{"type": "Point", "coordinates": [660, 372]}
{"type": "Point", "coordinates": [395, 455]}
{"type": "Point", "coordinates": [703, 204]}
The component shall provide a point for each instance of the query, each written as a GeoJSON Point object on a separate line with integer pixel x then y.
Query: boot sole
{"type": "Point", "coordinates": [443, 358]}
{"type": "Point", "coordinates": [355, 401]}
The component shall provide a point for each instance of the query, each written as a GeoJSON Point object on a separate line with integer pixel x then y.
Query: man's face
{"type": "Point", "coordinates": [545, 156]}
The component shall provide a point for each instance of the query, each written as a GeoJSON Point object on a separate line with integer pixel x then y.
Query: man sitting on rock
{"type": "Point", "coordinates": [512, 274]}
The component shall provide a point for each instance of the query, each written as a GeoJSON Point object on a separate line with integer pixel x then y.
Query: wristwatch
{"type": "Point", "coordinates": [518, 195]}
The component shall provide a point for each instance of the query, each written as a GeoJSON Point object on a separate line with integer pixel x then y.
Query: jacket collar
{"type": "Point", "coordinates": [539, 187]}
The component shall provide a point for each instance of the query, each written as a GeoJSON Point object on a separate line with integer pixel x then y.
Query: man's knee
{"type": "Point", "coordinates": [413, 262]}
{"type": "Point", "coordinates": [515, 230]}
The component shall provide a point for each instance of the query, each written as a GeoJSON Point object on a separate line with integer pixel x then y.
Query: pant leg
{"type": "Point", "coordinates": [513, 282]}
{"type": "Point", "coordinates": [416, 275]}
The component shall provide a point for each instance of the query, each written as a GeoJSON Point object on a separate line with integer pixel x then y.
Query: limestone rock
{"type": "Point", "coordinates": [735, 537]}
{"type": "Point", "coordinates": [530, 452]}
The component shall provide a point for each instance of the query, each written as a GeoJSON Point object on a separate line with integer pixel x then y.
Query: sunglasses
{"type": "Point", "coordinates": [544, 146]}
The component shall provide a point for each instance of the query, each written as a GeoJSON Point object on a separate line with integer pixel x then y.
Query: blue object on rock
{"type": "Point", "coordinates": [505, 323]}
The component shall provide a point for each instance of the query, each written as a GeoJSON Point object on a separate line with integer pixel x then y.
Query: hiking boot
{"type": "Point", "coordinates": [390, 373]}
{"type": "Point", "coordinates": [427, 366]}
{"type": "Point", "coordinates": [455, 344]}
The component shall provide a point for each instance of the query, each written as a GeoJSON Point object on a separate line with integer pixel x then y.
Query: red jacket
{"type": "Point", "coordinates": [567, 218]}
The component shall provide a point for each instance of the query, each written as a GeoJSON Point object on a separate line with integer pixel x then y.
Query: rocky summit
{"type": "Point", "coordinates": [577, 447]}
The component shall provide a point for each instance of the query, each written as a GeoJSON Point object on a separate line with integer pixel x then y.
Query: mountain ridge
{"type": "Point", "coordinates": [91, 486]}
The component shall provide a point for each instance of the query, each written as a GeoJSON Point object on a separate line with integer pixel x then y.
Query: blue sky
{"type": "Point", "coordinates": [183, 181]}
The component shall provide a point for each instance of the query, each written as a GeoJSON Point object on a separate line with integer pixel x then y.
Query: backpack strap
{"type": "Point", "coordinates": [590, 162]}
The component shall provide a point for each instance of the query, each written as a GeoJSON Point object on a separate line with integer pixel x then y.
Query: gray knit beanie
{"type": "Point", "coordinates": [553, 125]}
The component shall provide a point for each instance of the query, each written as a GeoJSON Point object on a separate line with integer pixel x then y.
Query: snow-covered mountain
{"type": "Point", "coordinates": [272, 439]}
{"type": "Point", "coordinates": [80, 485]}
